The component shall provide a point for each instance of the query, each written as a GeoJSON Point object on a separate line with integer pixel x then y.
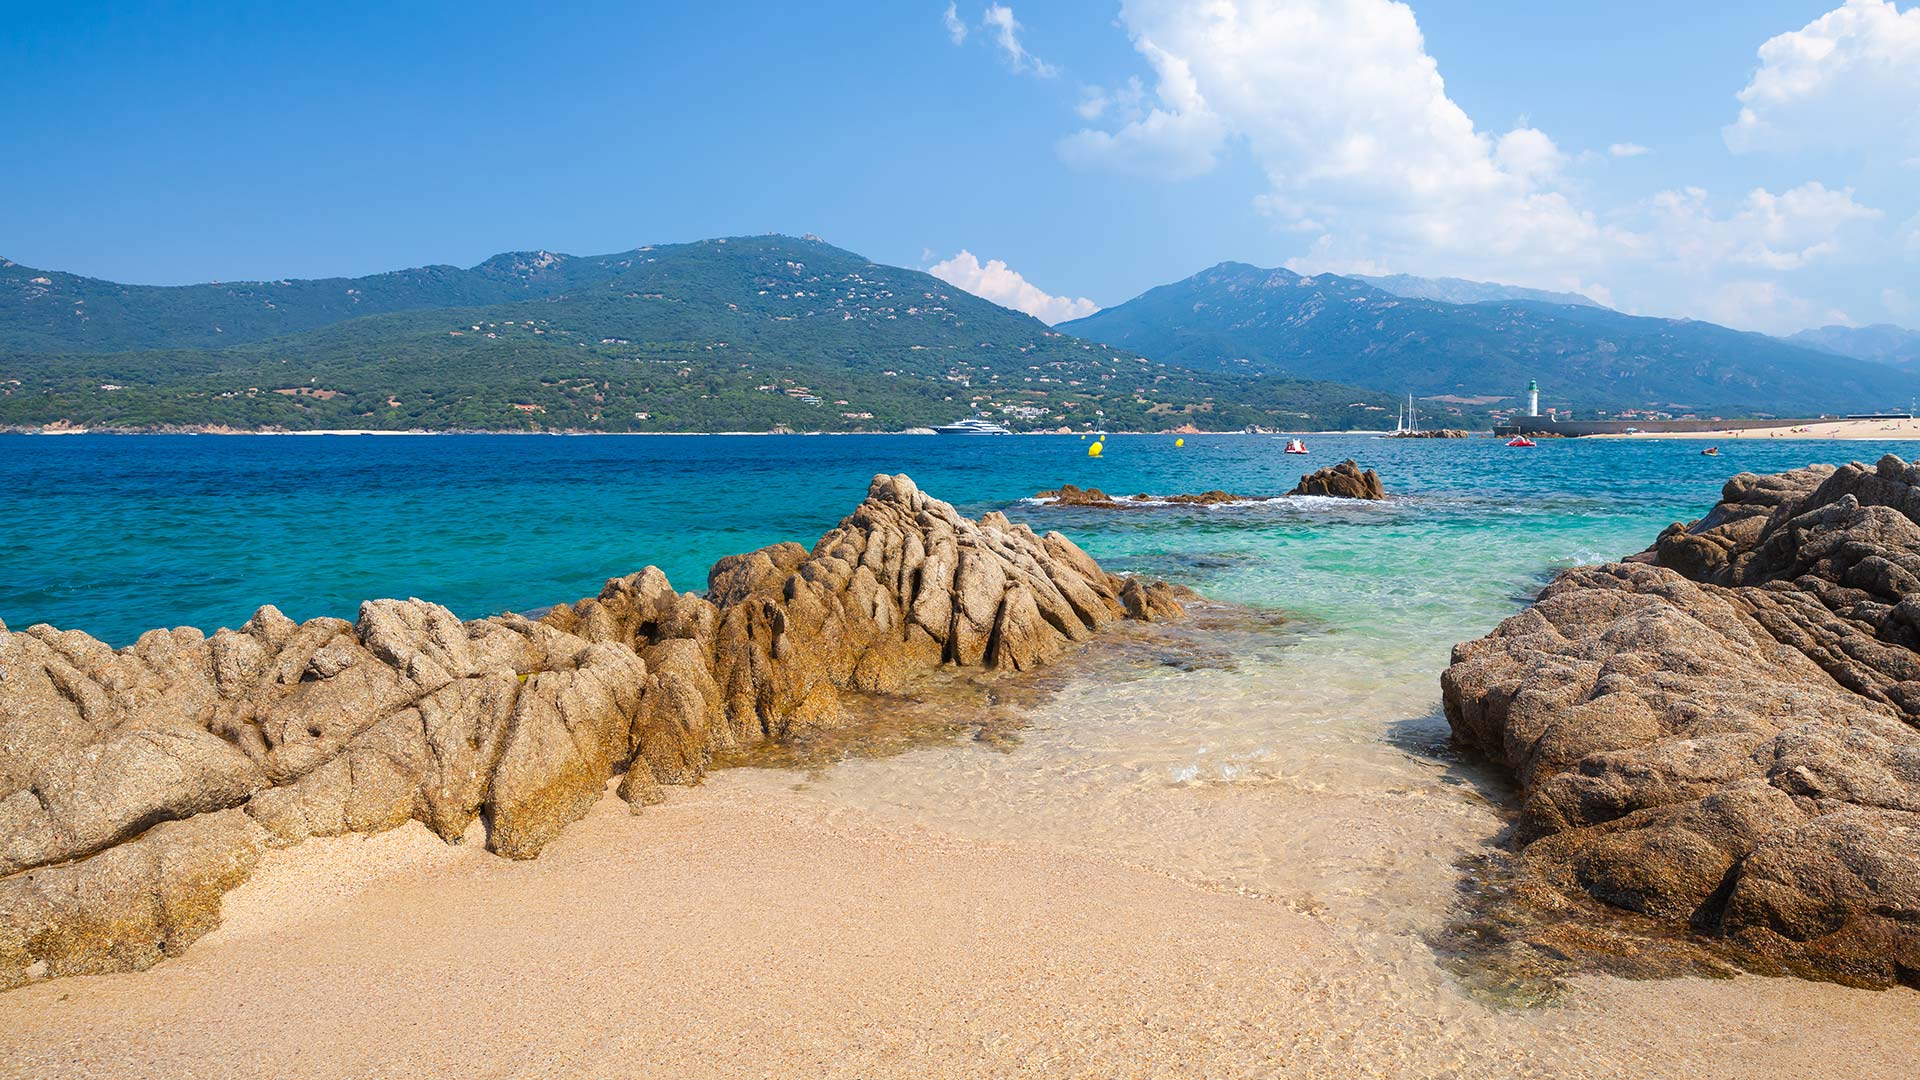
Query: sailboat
{"type": "Point", "coordinates": [1406, 422]}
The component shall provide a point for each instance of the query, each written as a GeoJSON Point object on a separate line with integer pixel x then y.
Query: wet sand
{"type": "Point", "coordinates": [749, 928]}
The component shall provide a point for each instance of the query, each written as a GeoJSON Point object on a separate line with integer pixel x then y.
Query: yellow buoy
{"type": "Point", "coordinates": [1094, 450]}
{"type": "Point", "coordinates": [1179, 442]}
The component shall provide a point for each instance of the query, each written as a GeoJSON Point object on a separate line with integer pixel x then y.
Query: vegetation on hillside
{"type": "Point", "coordinates": [1235, 317]}
{"type": "Point", "coordinates": [742, 334]}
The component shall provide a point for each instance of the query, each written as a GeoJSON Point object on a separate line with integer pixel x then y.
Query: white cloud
{"type": "Point", "coordinates": [956, 28]}
{"type": "Point", "coordinates": [1346, 115]}
{"type": "Point", "coordinates": [1762, 304]}
{"type": "Point", "coordinates": [1530, 154]}
{"type": "Point", "coordinates": [1093, 102]}
{"type": "Point", "coordinates": [1341, 106]}
{"type": "Point", "coordinates": [1677, 234]}
{"type": "Point", "coordinates": [1789, 230]}
{"type": "Point", "coordinates": [1850, 78]}
{"type": "Point", "coordinates": [1176, 142]}
{"type": "Point", "coordinates": [1125, 100]}
{"type": "Point", "coordinates": [1767, 231]}
{"type": "Point", "coordinates": [997, 282]}
{"type": "Point", "coordinates": [999, 19]}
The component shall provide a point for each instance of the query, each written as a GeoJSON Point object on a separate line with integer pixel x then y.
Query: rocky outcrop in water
{"type": "Point", "coordinates": [1436, 433]}
{"type": "Point", "coordinates": [137, 786]}
{"type": "Point", "coordinates": [1720, 733]}
{"type": "Point", "coordinates": [1069, 495]}
{"type": "Point", "coordinates": [1343, 481]}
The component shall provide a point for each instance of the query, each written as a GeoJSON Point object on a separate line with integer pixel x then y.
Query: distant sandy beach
{"type": "Point", "coordinates": [1866, 430]}
{"type": "Point", "coordinates": [748, 929]}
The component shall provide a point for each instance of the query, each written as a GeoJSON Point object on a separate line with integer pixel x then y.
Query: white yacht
{"type": "Point", "coordinates": [973, 425]}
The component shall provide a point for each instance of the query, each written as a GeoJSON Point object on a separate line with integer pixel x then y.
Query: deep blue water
{"type": "Point", "coordinates": [116, 534]}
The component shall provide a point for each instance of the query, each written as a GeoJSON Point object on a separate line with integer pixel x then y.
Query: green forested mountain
{"type": "Point", "coordinates": [1235, 317]}
{"type": "Point", "coordinates": [730, 334]}
{"type": "Point", "coordinates": [752, 333]}
{"type": "Point", "coordinates": [48, 311]}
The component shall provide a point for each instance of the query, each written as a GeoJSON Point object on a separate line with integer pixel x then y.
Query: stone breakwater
{"type": "Point", "coordinates": [138, 786]}
{"type": "Point", "coordinates": [1720, 733]}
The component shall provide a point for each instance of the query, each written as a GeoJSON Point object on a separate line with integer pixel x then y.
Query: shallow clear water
{"type": "Point", "coordinates": [1301, 758]}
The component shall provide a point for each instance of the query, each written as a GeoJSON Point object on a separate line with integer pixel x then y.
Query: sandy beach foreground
{"type": "Point", "coordinates": [749, 929]}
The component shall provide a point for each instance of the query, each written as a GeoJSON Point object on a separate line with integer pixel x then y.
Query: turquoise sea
{"type": "Point", "coordinates": [116, 534]}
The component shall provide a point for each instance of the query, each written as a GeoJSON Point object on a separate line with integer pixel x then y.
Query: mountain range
{"type": "Point", "coordinates": [772, 332]}
{"type": "Point", "coordinates": [1452, 290]}
{"type": "Point", "coordinates": [1276, 323]}
{"type": "Point", "coordinates": [732, 334]}
{"type": "Point", "coordinates": [1882, 343]}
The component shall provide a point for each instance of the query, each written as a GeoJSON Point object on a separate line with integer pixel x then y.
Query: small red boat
{"type": "Point", "coordinates": [1295, 446]}
{"type": "Point", "coordinates": [1521, 440]}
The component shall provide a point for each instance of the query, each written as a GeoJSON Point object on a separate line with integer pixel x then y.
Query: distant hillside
{"type": "Point", "coordinates": [48, 311]}
{"type": "Point", "coordinates": [1235, 317]}
{"type": "Point", "coordinates": [1882, 343]}
{"type": "Point", "coordinates": [746, 333]}
{"type": "Point", "coordinates": [1452, 290]}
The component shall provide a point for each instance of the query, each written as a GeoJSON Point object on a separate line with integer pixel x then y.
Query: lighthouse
{"type": "Point", "coordinates": [1533, 397]}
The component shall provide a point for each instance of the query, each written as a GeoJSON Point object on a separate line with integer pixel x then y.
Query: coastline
{"type": "Point", "coordinates": [1847, 430]}
{"type": "Point", "coordinates": [631, 434]}
{"type": "Point", "coordinates": [1837, 430]}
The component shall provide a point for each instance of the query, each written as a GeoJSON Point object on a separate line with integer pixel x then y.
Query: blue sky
{"type": "Point", "coordinates": [1053, 156]}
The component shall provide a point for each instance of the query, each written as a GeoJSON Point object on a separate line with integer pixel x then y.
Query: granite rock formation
{"type": "Point", "coordinates": [139, 785]}
{"type": "Point", "coordinates": [1721, 733]}
{"type": "Point", "coordinates": [1071, 495]}
{"type": "Point", "coordinates": [1343, 481]}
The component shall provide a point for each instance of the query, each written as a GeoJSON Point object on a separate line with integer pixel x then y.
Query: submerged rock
{"type": "Point", "coordinates": [1343, 481]}
{"type": "Point", "coordinates": [137, 786]}
{"type": "Point", "coordinates": [1721, 732]}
